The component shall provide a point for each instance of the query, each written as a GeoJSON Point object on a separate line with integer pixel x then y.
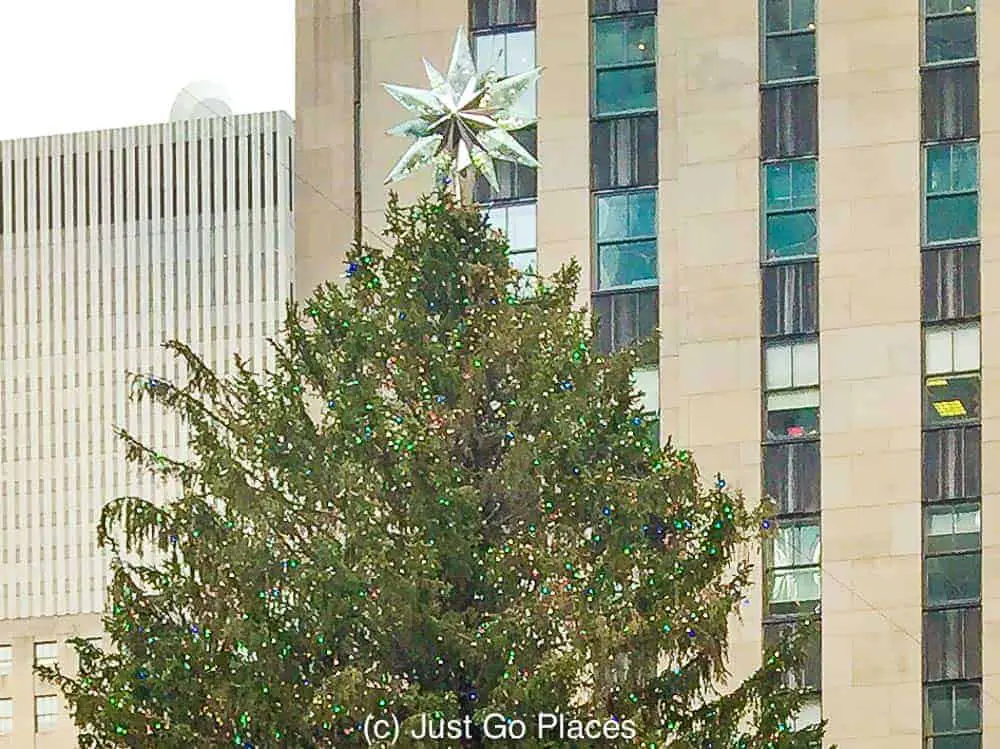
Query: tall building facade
{"type": "Point", "coordinates": [796, 193]}
{"type": "Point", "coordinates": [112, 243]}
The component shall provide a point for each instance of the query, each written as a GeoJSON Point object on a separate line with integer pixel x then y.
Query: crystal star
{"type": "Point", "coordinates": [463, 120]}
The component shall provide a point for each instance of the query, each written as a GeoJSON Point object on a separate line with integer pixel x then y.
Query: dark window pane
{"type": "Point", "coordinates": [791, 300]}
{"type": "Point", "coordinates": [950, 102]}
{"type": "Point", "coordinates": [951, 464]}
{"type": "Point", "coordinates": [953, 579]}
{"type": "Point", "coordinates": [623, 152]}
{"type": "Point", "coordinates": [952, 217]}
{"type": "Point", "coordinates": [951, 38]}
{"type": "Point", "coordinates": [487, 13]}
{"type": "Point", "coordinates": [791, 234]}
{"type": "Point", "coordinates": [790, 57]}
{"type": "Point", "coordinates": [951, 398]}
{"type": "Point", "coordinates": [791, 476]}
{"type": "Point", "coordinates": [625, 264]}
{"type": "Point", "coordinates": [607, 7]}
{"type": "Point", "coordinates": [789, 121]}
{"type": "Point", "coordinates": [624, 318]}
{"type": "Point", "coordinates": [626, 90]}
{"type": "Point", "coordinates": [808, 677]}
{"type": "Point", "coordinates": [516, 182]}
{"type": "Point", "coordinates": [950, 283]}
{"type": "Point", "coordinates": [953, 707]}
{"type": "Point", "coordinates": [953, 644]}
{"type": "Point", "coordinates": [789, 15]}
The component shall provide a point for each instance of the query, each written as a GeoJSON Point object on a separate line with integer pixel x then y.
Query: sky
{"type": "Point", "coordinates": [72, 65]}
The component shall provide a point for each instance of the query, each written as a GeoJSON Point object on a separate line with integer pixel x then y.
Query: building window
{"type": "Point", "coordinates": [492, 13]}
{"type": "Point", "coordinates": [790, 208]}
{"type": "Point", "coordinates": [514, 181]}
{"type": "Point", "coordinates": [46, 712]}
{"type": "Point", "coordinates": [789, 126]}
{"type": "Point", "coordinates": [792, 561]}
{"type": "Point", "coordinates": [517, 222]}
{"type": "Point", "coordinates": [625, 64]}
{"type": "Point", "coordinates": [792, 476]}
{"type": "Point", "coordinates": [625, 318]}
{"type": "Point", "coordinates": [791, 299]}
{"type": "Point", "coordinates": [950, 283]}
{"type": "Point", "coordinates": [808, 676]}
{"type": "Point", "coordinates": [951, 30]}
{"type": "Point", "coordinates": [46, 653]}
{"type": "Point", "coordinates": [952, 184]}
{"type": "Point", "coordinates": [951, 460]}
{"type": "Point", "coordinates": [950, 103]}
{"type": "Point", "coordinates": [952, 382]}
{"type": "Point", "coordinates": [6, 659]}
{"type": "Point", "coordinates": [810, 714]}
{"type": "Point", "coordinates": [953, 644]}
{"type": "Point", "coordinates": [791, 379]}
{"type": "Point", "coordinates": [509, 53]}
{"type": "Point", "coordinates": [626, 239]}
{"type": "Point", "coordinates": [790, 39]}
{"type": "Point", "coordinates": [954, 716]}
{"type": "Point", "coordinates": [6, 716]}
{"type": "Point", "coordinates": [610, 7]}
{"type": "Point", "coordinates": [623, 152]}
{"type": "Point", "coordinates": [953, 563]}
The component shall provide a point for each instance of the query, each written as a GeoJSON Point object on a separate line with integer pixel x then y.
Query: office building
{"type": "Point", "coordinates": [112, 243]}
{"type": "Point", "coordinates": [796, 193]}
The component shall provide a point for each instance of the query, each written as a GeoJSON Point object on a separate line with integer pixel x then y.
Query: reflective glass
{"type": "Point", "coordinates": [791, 234]}
{"type": "Point", "coordinates": [626, 264]}
{"type": "Point", "coordinates": [789, 57]}
{"type": "Point", "coordinates": [951, 38]}
{"type": "Point", "coordinates": [626, 90]}
{"type": "Point", "coordinates": [953, 578]}
{"type": "Point", "coordinates": [952, 217]}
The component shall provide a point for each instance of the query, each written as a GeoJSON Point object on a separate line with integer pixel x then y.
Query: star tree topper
{"type": "Point", "coordinates": [464, 120]}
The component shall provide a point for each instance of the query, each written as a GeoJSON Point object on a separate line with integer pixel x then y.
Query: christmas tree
{"type": "Point", "coordinates": [441, 507]}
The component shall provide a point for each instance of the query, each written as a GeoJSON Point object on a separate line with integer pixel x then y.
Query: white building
{"type": "Point", "coordinates": [111, 243]}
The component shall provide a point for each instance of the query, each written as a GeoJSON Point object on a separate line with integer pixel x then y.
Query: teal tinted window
{"type": "Point", "coordinates": [790, 39]}
{"type": "Point", "coordinates": [625, 64]}
{"type": "Point", "coordinates": [954, 709]}
{"type": "Point", "coordinates": [950, 30]}
{"type": "Point", "coordinates": [952, 197]}
{"type": "Point", "coordinates": [626, 239]}
{"type": "Point", "coordinates": [790, 208]}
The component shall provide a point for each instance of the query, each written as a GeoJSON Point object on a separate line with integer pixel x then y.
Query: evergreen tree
{"type": "Point", "coordinates": [442, 502]}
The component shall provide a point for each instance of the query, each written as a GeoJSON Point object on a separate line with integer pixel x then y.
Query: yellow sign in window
{"type": "Point", "coordinates": [950, 409]}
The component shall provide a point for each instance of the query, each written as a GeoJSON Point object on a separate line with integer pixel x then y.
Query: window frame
{"type": "Point", "coordinates": [506, 32]}
{"type": "Point", "coordinates": [775, 629]}
{"type": "Point", "coordinates": [794, 453]}
{"type": "Point", "coordinates": [514, 25]}
{"type": "Point", "coordinates": [766, 212]}
{"type": "Point", "coordinates": [635, 159]}
{"type": "Point", "coordinates": [7, 720]}
{"type": "Point", "coordinates": [926, 19]}
{"type": "Point", "coordinates": [596, 197]}
{"type": "Point", "coordinates": [969, 299]}
{"type": "Point", "coordinates": [770, 100]}
{"type": "Point", "coordinates": [927, 197]}
{"type": "Point", "coordinates": [962, 654]}
{"type": "Point", "coordinates": [6, 663]}
{"type": "Point", "coordinates": [929, 732]}
{"type": "Point", "coordinates": [596, 69]}
{"type": "Point", "coordinates": [932, 416]}
{"type": "Point", "coordinates": [640, 294]}
{"type": "Point", "coordinates": [798, 272]}
{"type": "Point", "coordinates": [968, 438]}
{"type": "Point", "coordinates": [772, 571]}
{"type": "Point", "coordinates": [53, 716]}
{"type": "Point", "coordinates": [767, 36]}
{"type": "Point", "coordinates": [46, 660]}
